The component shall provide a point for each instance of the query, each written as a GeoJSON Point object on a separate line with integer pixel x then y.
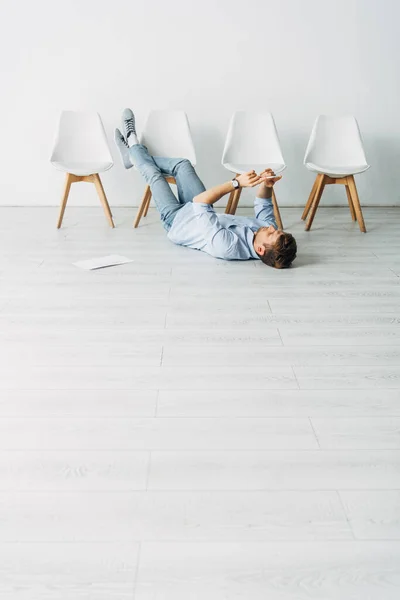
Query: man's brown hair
{"type": "Point", "coordinates": [282, 253]}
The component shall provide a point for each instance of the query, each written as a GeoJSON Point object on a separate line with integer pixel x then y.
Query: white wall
{"type": "Point", "coordinates": [296, 58]}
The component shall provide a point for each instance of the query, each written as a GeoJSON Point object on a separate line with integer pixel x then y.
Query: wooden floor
{"type": "Point", "coordinates": [183, 428]}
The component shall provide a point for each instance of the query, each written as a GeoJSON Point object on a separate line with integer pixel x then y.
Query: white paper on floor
{"type": "Point", "coordinates": [103, 261]}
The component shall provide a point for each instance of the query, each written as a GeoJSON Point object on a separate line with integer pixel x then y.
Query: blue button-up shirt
{"type": "Point", "coordinates": [230, 237]}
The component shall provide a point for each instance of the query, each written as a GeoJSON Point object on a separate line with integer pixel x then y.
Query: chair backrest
{"type": "Point", "coordinates": [335, 141]}
{"type": "Point", "coordinates": [167, 133]}
{"type": "Point", "coordinates": [81, 138]}
{"type": "Point", "coordinates": [252, 139]}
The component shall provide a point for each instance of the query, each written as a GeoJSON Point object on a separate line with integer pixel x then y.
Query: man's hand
{"type": "Point", "coordinates": [265, 189]}
{"type": "Point", "coordinates": [249, 179]}
{"type": "Point", "coordinates": [269, 183]}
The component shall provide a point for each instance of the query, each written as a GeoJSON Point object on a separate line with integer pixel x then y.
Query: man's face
{"type": "Point", "coordinates": [266, 236]}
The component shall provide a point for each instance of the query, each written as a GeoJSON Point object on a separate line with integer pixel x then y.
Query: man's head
{"type": "Point", "coordinates": [274, 247]}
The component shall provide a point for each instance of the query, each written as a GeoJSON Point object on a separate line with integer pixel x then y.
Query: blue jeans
{"type": "Point", "coordinates": [154, 169]}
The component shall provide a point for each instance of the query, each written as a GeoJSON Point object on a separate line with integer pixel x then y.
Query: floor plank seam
{"type": "Point", "coordinates": [346, 515]}
{"type": "Point", "coordinates": [295, 377]}
{"type": "Point", "coordinates": [148, 472]}
{"type": "Point", "coordinates": [281, 450]}
{"type": "Point", "coordinates": [194, 490]}
{"type": "Point", "coordinates": [227, 418]}
{"type": "Point", "coordinates": [136, 576]}
{"type": "Point", "coordinates": [314, 432]}
{"type": "Point", "coordinates": [393, 271]}
{"type": "Point", "coordinates": [156, 404]}
{"type": "Point", "coordinates": [280, 335]}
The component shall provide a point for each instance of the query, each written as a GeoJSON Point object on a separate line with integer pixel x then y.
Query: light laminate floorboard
{"type": "Point", "coordinates": [172, 516]}
{"type": "Point", "coordinates": [340, 336]}
{"type": "Point", "coordinates": [373, 515]}
{"type": "Point", "coordinates": [369, 304]}
{"type": "Point", "coordinates": [73, 470]}
{"type": "Point", "coordinates": [381, 377]}
{"type": "Point", "coordinates": [275, 470]}
{"type": "Point", "coordinates": [80, 403]}
{"type": "Point", "coordinates": [147, 339]}
{"type": "Point", "coordinates": [278, 403]}
{"type": "Point", "coordinates": [296, 356]}
{"type": "Point", "coordinates": [89, 354]}
{"type": "Point", "coordinates": [156, 434]}
{"type": "Point", "coordinates": [236, 320]}
{"type": "Point", "coordinates": [67, 571]}
{"type": "Point", "coordinates": [358, 432]}
{"type": "Point", "coordinates": [277, 571]}
{"type": "Point", "coordinates": [147, 378]}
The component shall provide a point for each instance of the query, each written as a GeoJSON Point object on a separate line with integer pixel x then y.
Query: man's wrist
{"type": "Point", "coordinates": [267, 189]}
{"type": "Point", "coordinates": [229, 186]}
{"type": "Point", "coordinates": [264, 192]}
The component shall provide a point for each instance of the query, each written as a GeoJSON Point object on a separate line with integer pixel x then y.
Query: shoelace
{"type": "Point", "coordinates": [119, 137]}
{"type": "Point", "coordinates": [130, 127]}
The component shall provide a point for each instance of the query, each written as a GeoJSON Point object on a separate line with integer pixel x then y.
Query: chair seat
{"type": "Point", "coordinates": [82, 168]}
{"type": "Point", "coordinates": [336, 170]}
{"type": "Point", "coordinates": [243, 168]}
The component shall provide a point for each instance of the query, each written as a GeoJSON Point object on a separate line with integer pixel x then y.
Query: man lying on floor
{"type": "Point", "coordinates": [191, 220]}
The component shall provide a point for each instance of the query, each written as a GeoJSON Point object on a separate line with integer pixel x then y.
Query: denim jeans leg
{"type": "Point", "coordinates": [165, 200]}
{"type": "Point", "coordinates": [187, 180]}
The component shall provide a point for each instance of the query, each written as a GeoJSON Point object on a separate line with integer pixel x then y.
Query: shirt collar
{"type": "Point", "coordinates": [250, 240]}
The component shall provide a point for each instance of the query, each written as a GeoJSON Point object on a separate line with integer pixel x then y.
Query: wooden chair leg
{"type": "Point", "coordinates": [103, 198]}
{"type": "Point", "coordinates": [146, 210]}
{"type": "Point", "coordinates": [350, 201]}
{"type": "Point", "coordinates": [317, 198]}
{"type": "Point", "coordinates": [67, 186]}
{"type": "Point", "coordinates": [229, 203]}
{"type": "Point", "coordinates": [356, 203]}
{"type": "Point", "coordinates": [142, 207]}
{"type": "Point", "coordinates": [310, 199]}
{"type": "Point", "coordinates": [232, 204]}
{"type": "Point", "coordinates": [276, 211]}
{"type": "Point", "coordinates": [235, 201]}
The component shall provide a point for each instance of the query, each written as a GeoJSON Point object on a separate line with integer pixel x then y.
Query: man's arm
{"type": "Point", "coordinates": [221, 241]}
{"type": "Point", "coordinates": [217, 192]}
{"type": "Point", "coordinates": [263, 207]}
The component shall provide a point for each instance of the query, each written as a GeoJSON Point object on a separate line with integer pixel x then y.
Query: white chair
{"type": "Point", "coordinates": [252, 143]}
{"type": "Point", "coordinates": [335, 152]}
{"type": "Point", "coordinates": [82, 152]}
{"type": "Point", "coordinates": [166, 133]}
